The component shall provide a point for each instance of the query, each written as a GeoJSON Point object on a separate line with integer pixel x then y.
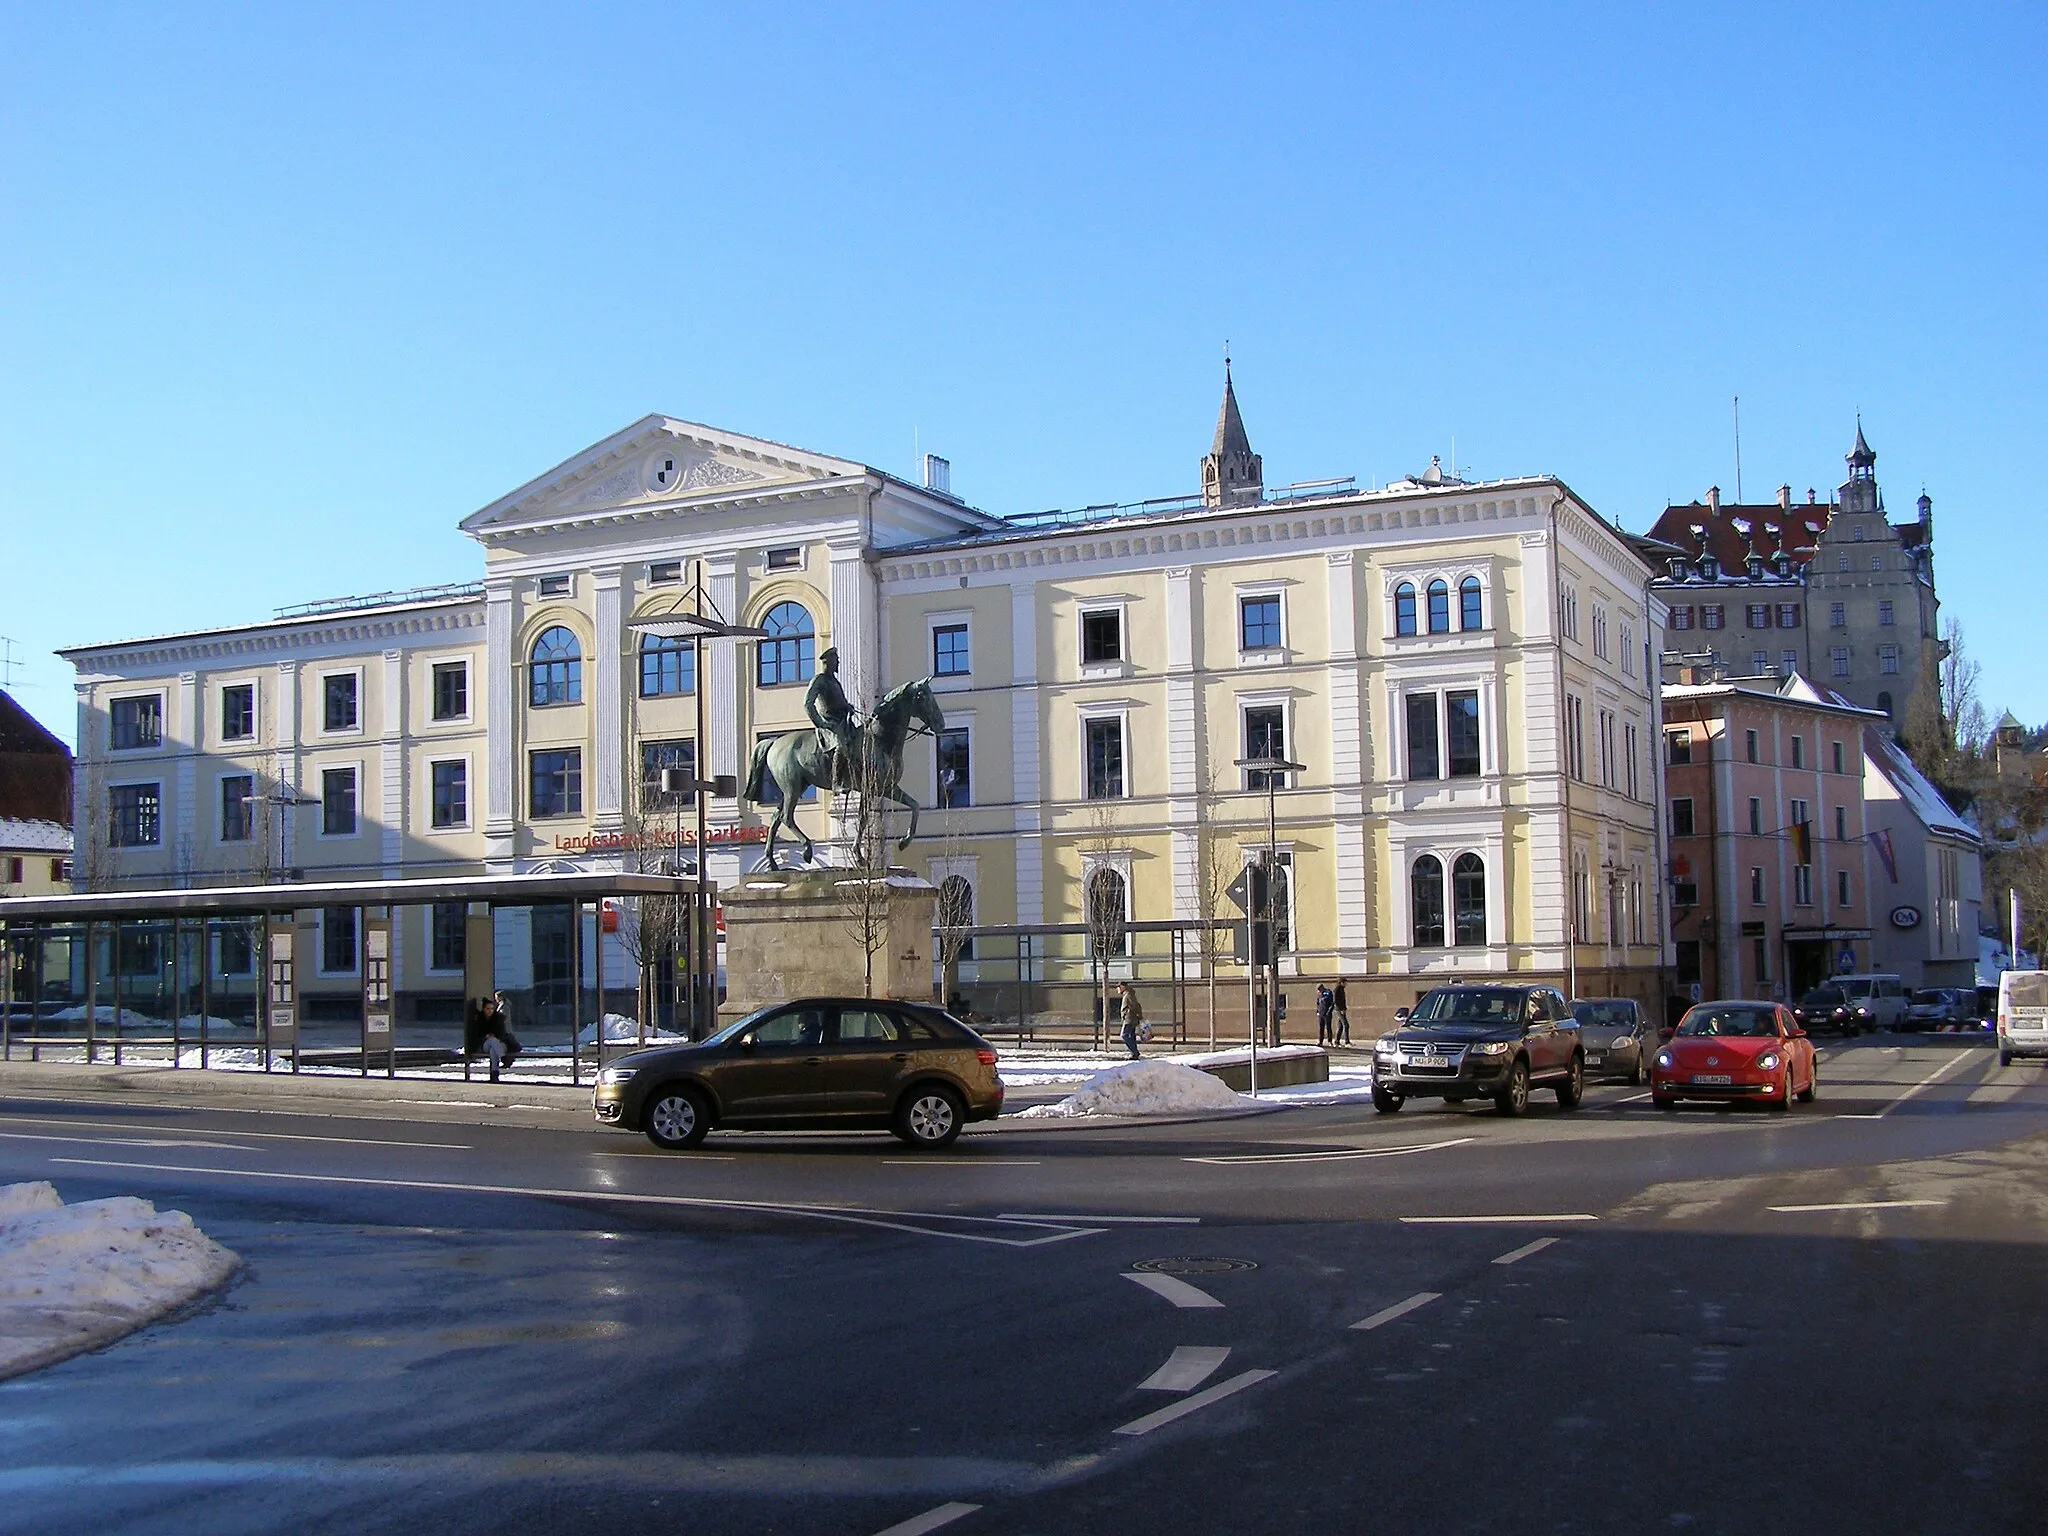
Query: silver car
{"type": "Point", "coordinates": [1616, 1036]}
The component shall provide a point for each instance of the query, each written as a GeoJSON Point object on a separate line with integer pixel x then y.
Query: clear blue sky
{"type": "Point", "coordinates": [287, 290]}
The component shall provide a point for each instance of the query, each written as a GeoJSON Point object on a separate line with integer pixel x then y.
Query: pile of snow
{"type": "Point", "coordinates": [620, 1030]}
{"type": "Point", "coordinates": [76, 1277]}
{"type": "Point", "coordinates": [1142, 1088]}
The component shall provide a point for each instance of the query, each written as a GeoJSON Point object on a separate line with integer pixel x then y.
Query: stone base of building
{"type": "Point", "coordinates": [827, 933]}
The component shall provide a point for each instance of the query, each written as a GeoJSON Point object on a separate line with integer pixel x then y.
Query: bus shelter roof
{"type": "Point", "coordinates": [299, 895]}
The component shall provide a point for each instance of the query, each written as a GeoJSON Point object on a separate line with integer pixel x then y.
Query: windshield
{"type": "Point", "coordinates": [737, 1025]}
{"type": "Point", "coordinates": [1469, 1005]}
{"type": "Point", "coordinates": [1858, 988]}
{"type": "Point", "coordinates": [1823, 997]}
{"type": "Point", "coordinates": [1930, 995]}
{"type": "Point", "coordinates": [1607, 1015]}
{"type": "Point", "coordinates": [1729, 1021]}
{"type": "Point", "coordinates": [2026, 989]}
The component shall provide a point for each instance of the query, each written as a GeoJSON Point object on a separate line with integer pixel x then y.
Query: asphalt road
{"type": "Point", "coordinates": [1617, 1319]}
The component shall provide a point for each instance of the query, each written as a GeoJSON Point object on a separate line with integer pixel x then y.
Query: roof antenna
{"type": "Point", "coordinates": [8, 665]}
{"type": "Point", "coordinates": [1738, 450]}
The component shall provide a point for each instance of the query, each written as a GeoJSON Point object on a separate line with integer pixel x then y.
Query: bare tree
{"type": "Point", "coordinates": [1961, 708]}
{"type": "Point", "coordinates": [1213, 874]}
{"type": "Point", "coordinates": [93, 864]}
{"type": "Point", "coordinates": [864, 890]}
{"type": "Point", "coordinates": [1104, 901]}
{"type": "Point", "coordinates": [953, 917]}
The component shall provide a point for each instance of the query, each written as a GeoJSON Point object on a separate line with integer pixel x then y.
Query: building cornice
{"type": "Point", "coordinates": [256, 643]}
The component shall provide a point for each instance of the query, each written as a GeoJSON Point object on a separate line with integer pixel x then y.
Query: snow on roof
{"type": "Point", "coordinates": [18, 836]}
{"type": "Point", "coordinates": [1919, 795]}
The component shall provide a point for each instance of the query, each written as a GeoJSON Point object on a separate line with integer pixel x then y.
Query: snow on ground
{"type": "Point", "coordinates": [1142, 1088]}
{"type": "Point", "coordinates": [76, 1277]}
{"type": "Point", "coordinates": [620, 1030]}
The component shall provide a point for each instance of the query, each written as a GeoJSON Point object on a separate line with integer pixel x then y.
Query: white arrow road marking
{"type": "Point", "coordinates": [1398, 1309]}
{"type": "Point", "coordinates": [1179, 1292]}
{"type": "Point", "coordinates": [930, 1520]}
{"type": "Point", "coordinates": [1186, 1368]}
{"type": "Point", "coordinates": [1344, 1155]}
{"type": "Point", "coordinates": [1187, 1405]}
{"type": "Point", "coordinates": [1525, 1250]}
{"type": "Point", "coordinates": [1857, 1205]}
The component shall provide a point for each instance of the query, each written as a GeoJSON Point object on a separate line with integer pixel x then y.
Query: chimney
{"type": "Point", "coordinates": [1784, 498]}
{"type": "Point", "coordinates": [1713, 501]}
{"type": "Point", "coordinates": [938, 474]}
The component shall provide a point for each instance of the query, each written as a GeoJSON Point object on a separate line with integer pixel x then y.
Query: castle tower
{"type": "Point", "coordinates": [1232, 475]}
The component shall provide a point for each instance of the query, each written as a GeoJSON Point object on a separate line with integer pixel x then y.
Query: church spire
{"type": "Point", "coordinates": [1232, 475]}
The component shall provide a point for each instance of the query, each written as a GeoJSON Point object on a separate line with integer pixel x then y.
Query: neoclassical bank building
{"type": "Point", "coordinates": [1464, 671]}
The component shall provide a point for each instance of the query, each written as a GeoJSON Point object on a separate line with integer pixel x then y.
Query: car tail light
{"type": "Point", "coordinates": [985, 1057]}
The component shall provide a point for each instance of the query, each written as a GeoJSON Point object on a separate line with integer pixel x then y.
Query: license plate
{"type": "Point", "coordinates": [1429, 1061]}
{"type": "Point", "coordinates": [1713, 1077]}
{"type": "Point", "coordinates": [1597, 1059]}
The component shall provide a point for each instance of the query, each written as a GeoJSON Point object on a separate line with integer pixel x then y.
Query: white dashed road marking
{"type": "Point", "coordinates": [1131, 1221]}
{"type": "Point", "coordinates": [1177, 1291]}
{"type": "Point", "coordinates": [1856, 1205]}
{"type": "Point", "coordinates": [930, 1520]}
{"type": "Point", "coordinates": [1398, 1309]}
{"type": "Point", "coordinates": [1453, 1221]}
{"type": "Point", "coordinates": [1926, 1082]}
{"type": "Point", "coordinates": [1188, 1405]}
{"type": "Point", "coordinates": [1525, 1250]}
{"type": "Point", "coordinates": [1345, 1155]}
{"type": "Point", "coordinates": [1186, 1368]}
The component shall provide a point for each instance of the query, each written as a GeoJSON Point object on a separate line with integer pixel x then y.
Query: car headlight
{"type": "Point", "coordinates": [1862, 1013]}
{"type": "Point", "coordinates": [1385, 1047]}
{"type": "Point", "coordinates": [1768, 1062]}
{"type": "Point", "coordinates": [1492, 1048]}
{"type": "Point", "coordinates": [616, 1075]}
{"type": "Point", "coordinates": [1664, 1059]}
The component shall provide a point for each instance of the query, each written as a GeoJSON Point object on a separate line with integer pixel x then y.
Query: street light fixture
{"type": "Point", "coordinates": [286, 798]}
{"type": "Point", "coordinates": [1272, 765]}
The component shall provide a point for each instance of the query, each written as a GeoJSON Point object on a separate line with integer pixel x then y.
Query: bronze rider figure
{"type": "Point", "coordinates": [825, 704]}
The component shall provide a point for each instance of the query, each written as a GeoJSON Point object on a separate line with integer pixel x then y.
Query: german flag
{"type": "Point", "coordinates": [1802, 842]}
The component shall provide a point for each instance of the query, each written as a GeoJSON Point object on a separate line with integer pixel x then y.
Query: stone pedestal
{"type": "Point", "coordinates": [804, 933]}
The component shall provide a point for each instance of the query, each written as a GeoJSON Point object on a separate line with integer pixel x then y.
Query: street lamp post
{"type": "Point", "coordinates": [1271, 765]}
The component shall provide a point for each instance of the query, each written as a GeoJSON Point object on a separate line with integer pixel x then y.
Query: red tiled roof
{"type": "Point", "coordinates": [1728, 544]}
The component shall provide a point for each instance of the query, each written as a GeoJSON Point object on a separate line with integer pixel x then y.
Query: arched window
{"type": "Point", "coordinates": [668, 664]}
{"type": "Point", "coordinates": [1884, 702]}
{"type": "Point", "coordinates": [555, 675]}
{"type": "Point", "coordinates": [1439, 608]}
{"type": "Point", "coordinates": [1404, 608]}
{"type": "Point", "coordinates": [956, 917]}
{"type": "Point", "coordinates": [1426, 886]}
{"type": "Point", "coordinates": [1106, 896]}
{"type": "Point", "coordinates": [787, 655]}
{"type": "Point", "coordinates": [1468, 897]}
{"type": "Point", "coordinates": [1470, 612]}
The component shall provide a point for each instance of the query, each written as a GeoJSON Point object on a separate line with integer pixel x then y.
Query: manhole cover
{"type": "Point", "coordinates": [1193, 1266]}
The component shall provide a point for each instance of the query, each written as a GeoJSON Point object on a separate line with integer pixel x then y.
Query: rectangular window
{"type": "Point", "coordinates": [1713, 616]}
{"type": "Point", "coordinates": [552, 586]}
{"type": "Point", "coordinates": [338, 702]}
{"type": "Point", "coordinates": [655, 756]}
{"type": "Point", "coordinates": [1258, 624]}
{"type": "Point", "coordinates": [1681, 816]}
{"type": "Point", "coordinates": [1838, 661]}
{"type": "Point", "coordinates": [1838, 616]}
{"type": "Point", "coordinates": [1759, 662]}
{"type": "Point", "coordinates": [555, 783]}
{"type": "Point", "coordinates": [1759, 615]}
{"type": "Point", "coordinates": [662, 573]}
{"type": "Point", "coordinates": [1685, 892]}
{"type": "Point", "coordinates": [1678, 745]}
{"type": "Point", "coordinates": [1884, 612]}
{"type": "Point", "coordinates": [1791, 663]}
{"type": "Point", "coordinates": [1265, 735]}
{"type": "Point", "coordinates": [338, 940]}
{"type": "Point", "coordinates": [789, 558]}
{"type": "Point", "coordinates": [1688, 957]}
{"type": "Point", "coordinates": [338, 802]}
{"type": "Point", "coordinates": [14, 872]}
{"type": "Point", "coordinates": [137, 722]}
{"type": "Point", "coordinates": [1842, 888]}
{"type": "Point", "coordinates": [1798, 816]}
{"type": "Point", "coordinates": [1422, 745]}
{"type": "Point", "coordinates": [1749, 744]}
{"type": "Point", "coordinates": [1802, 885]}
{"type": "Point", "coordinates": [1681, 618]}
{"type": "Point", "coordinates": [1838, 757]}
{"type": "Point", "coordinates": [1798, 751]}
{"type": "Point", "coordinates": [1841, 824]}
{"type": "Point", "coordinates": [237, 807]}
{"type": "Point", "coordinates": [1756, 817]}
{"type": "Point", "coordinates": [949, 651]}
{"type": "Point", "coordinates": [1102, 635]}
{"type": "Point", "coordinates": [954, 769]}
{"type": "Point", "coordinates": [450, 806]}
{"type": "Point", "coordinates": [1628, 758]}
{"type": "Point", "coordinates": [668, 666]}
{"type": "Point", "coordinates": [1606, 723]}
{"type": "Point", "coordinates": [451, 690]}
{"type": "Point", "coordinates": [1877, 562]}
{"type": "Point", "coordinates": [1888, 659]}
{"type": "Point", "coordinates": [1788, 615]}
{"type": "Point", "coordinates": [448, 947]}
{"type": "Point", "coordinates": [1756, 884]}
{"type": "Point", "coordinates": [1104, 741]}
{"type": "Point", "coordinates": [238, 712]}
{"type": "Point", "coordinates": [135, 815]}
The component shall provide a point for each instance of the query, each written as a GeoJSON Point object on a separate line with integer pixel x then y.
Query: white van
{"type": "Point", "coordinates": [2022, 1015]}
{"type": "Point", "coordinates": [1876, 1000]}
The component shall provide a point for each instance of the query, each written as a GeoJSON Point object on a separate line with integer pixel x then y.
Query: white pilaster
{"type": "Point", "coordinates": [391, 814]}
{"type": "Point", "coordinates": [288, 759]}
{"type": "Point", "coordinates": [851, 591]}
{"type": "Point", "coordinates": [720, 660]}
{"type": "Point", "coordinates": [184, 738]}
{"type": "Point", "coordinates": [1026, 752]}
{"type": "Point", "coordinates": [608, 725]}
{"type": "Point", "coordinates": [501, 689]}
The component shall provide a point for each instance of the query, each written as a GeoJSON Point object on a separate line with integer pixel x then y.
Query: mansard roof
{"type": "Point", "coordinates": [1726, 531]}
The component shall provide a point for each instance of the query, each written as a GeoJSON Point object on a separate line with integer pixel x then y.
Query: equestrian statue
{"type": "Point", "coordinates": [843, 752]}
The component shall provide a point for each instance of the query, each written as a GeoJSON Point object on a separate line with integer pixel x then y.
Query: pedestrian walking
{"type": "Point", "coordinates": [1133, 1018]}
{"type": "Point", "coordinates": [1343, 1014]}
{"type": "Point", "coordinates": [1326, 1007]}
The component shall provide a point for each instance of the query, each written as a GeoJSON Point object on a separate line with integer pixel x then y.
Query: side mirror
{"type": "Point", "coordinates": [747, 1045]}
{"type": "Point", "coordinates": [1400, 1015]}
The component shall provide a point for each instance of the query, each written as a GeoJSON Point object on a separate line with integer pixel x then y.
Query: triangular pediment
{"type": "Point", "coordinates": [658, 461]}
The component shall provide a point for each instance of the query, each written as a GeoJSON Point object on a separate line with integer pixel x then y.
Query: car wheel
{"type": "Point", "coordinates": [1514, 1098]}
{"type": "Point", "coordinates": [1783, 1100]}
{"type": "Point", "coordinates": [676, 1119]}
{"type": "Point", "coordinates": [1641, 1074]}
{"type": "Point", "coordinates": [1386, 1101]}
{"type": "Point", "coordinates": [929, 1117]}
{"type": "Point", "coordinates": [1573, 1089]}
{"type": "Point", "coordinates": [2005, 1058]}
{"type": "Point", "coordinates": [1812, 1085]}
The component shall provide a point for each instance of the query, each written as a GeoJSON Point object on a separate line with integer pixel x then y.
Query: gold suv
{"type": "Point", "coordinates": [820, 1063]}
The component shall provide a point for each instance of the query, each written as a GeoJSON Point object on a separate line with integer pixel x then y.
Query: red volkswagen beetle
{"type": "Point", "coordinates": [1738, 1050]}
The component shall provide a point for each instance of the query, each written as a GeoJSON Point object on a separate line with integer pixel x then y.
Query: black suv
{"type": "Point", "coordinates": [1461, 1043]}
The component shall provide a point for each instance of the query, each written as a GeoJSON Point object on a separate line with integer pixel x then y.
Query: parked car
{"type": "Point", "coordinates": [1460, 1043]}
{"type": "Point", "coordinates": [1736, 1050]}
{"type": "Point", "coordinates": [1827, 1008]}
{"type": "Point", "coordinates": [1615, 1036]}
{"type": "Point", "coordinates": [1877, 1000]}
{"type": "Point", "coordinates": [2022, 1015]}
{"type": "Point", "coordinates": [1942, 1008]}
{"type": "Point", "coordinates": [821, 1063]}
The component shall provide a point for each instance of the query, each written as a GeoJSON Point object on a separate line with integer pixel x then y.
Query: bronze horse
{"type": "Point", "coordinates": [797, 763]}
